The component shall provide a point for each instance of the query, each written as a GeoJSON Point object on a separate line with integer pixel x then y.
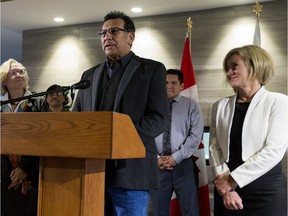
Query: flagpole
{"type": "Point", "coordinates": [189, 29]}
{"type": "Point", "coordinates": [257, 9]}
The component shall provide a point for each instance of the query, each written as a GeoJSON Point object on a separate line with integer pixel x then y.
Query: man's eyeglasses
{"type": "Point", "coordinates": [56, 94]}
{"type": "Point", "coordinates": [15, 72]}
{"type": "Point", "coordinates": [112, 31]}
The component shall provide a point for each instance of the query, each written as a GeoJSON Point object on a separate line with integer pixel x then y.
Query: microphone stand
{"type": "Point", "coordinates": [63, 88]}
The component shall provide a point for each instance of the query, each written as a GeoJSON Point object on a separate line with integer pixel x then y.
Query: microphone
{"type": "Point", "coordinates": [83, 84]}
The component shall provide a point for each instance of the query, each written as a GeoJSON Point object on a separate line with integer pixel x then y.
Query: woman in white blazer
{"type": "Point", "coordinates": [249, 137]}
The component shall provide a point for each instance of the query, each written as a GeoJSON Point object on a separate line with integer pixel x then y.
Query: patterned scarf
{"type": "Point", "coordinates": [22, 107]}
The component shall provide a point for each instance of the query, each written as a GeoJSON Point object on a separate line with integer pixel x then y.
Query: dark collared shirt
{"type": "Point", "coordinates": [114, 67]}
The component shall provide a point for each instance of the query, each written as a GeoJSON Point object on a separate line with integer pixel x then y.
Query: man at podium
{"type": "Point", "coordinates": [135, 86]}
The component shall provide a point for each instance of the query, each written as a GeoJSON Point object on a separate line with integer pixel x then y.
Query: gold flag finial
{"type": "Point", "coordinates": [189, 24]}
{"type": "Point", "coordinates": [257, 8]}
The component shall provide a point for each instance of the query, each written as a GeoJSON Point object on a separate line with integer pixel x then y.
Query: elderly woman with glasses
{"type": "Point", "coordinates": [19, 174]}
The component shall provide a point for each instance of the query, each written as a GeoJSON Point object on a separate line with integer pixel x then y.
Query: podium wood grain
{"type": "Point", "coordinates": [73, 147]}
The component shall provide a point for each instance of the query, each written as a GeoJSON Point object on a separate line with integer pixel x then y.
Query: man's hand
{"type": "Point", "coordinates": [232, 201]}
{"type": "Point", "coordinates": [166, 162]}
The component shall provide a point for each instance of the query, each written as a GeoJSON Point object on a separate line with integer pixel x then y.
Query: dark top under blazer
{"type": "Point", "coordinates": [142, 96]}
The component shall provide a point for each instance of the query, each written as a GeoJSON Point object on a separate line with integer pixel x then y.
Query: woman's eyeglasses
{"type": "Point", "coordinates": [14, 72]}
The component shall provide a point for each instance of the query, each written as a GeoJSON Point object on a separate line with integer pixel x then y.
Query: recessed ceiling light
{"type": "Point", "coordinates": [136, 9]}
{"type": "Point", "coordinates": [58, 19]}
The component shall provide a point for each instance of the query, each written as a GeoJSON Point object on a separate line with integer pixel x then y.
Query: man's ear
{"type": "Point", "coordinates": [131, 38]}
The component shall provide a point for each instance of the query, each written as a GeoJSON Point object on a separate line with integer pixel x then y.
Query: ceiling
{"type": "Point", "coordinates": [19, 15]}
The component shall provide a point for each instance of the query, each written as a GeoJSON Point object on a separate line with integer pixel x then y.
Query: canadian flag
{"type": "Point", "coordinates": [190, 90]}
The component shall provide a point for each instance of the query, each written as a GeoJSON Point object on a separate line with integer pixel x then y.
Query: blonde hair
{"type": "Point", "coordinates": [259, 63]}
{"type": "Point", "coordinates": [4, 70]}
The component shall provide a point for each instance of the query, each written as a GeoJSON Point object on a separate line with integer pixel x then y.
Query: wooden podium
{"type": "Point", "coordinates": [73, 147]}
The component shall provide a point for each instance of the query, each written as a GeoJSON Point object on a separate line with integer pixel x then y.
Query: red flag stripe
{"type": "Point", "coordinates": [187, 66]}
{"type": "Point", "coordinates": [203, 198]}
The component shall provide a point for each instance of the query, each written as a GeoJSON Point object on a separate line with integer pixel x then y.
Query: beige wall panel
{"type": "Point", "coordinates": [60, 55]}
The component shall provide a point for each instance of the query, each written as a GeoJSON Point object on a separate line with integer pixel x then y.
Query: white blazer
{"type": "Point", "coordinates": [264, 135]}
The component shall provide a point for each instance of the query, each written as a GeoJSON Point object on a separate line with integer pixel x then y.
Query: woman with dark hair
{"type": "Point", "coordinates": [57, 101]}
